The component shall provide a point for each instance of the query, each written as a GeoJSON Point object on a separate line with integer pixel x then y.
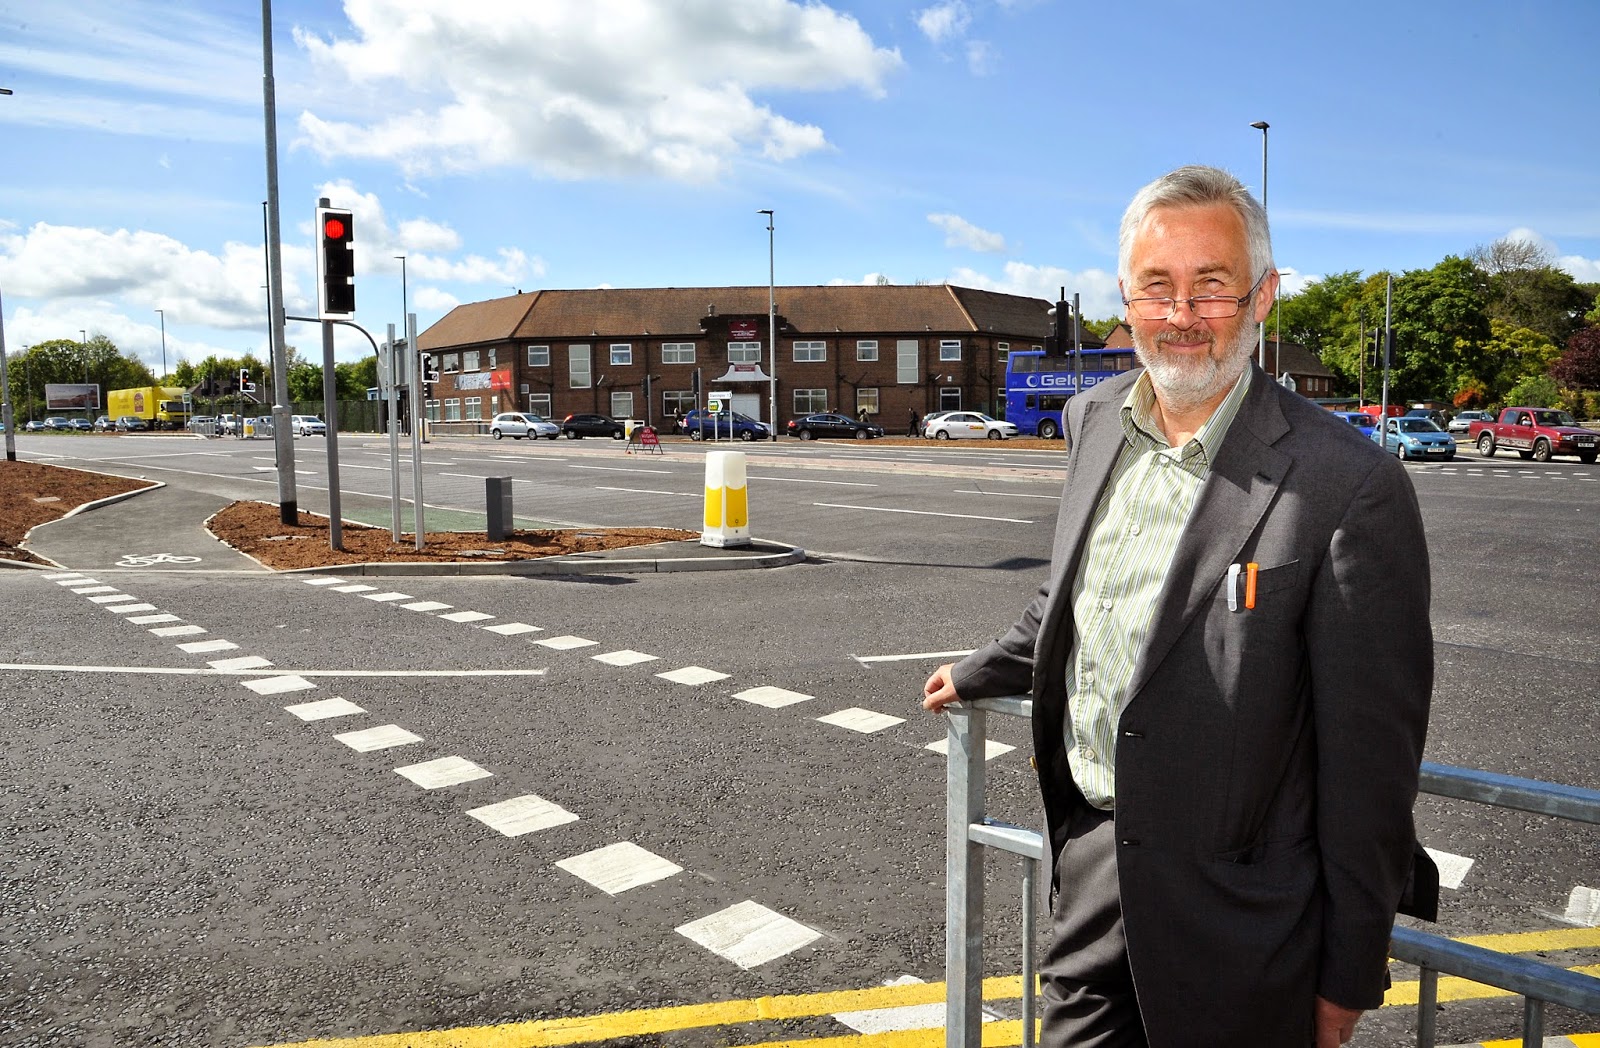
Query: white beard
{"type": "Point", "coordinates": [1189, 382]}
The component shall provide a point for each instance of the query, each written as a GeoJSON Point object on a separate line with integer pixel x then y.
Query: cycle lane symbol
{"type": "Point", "coordinates": [146, 560]}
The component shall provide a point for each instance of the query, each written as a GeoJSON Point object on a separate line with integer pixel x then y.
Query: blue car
{"type": "Point", "coordinates": [704, 425]}
{"type": "Point", "coordinates": [1412, 437]}
{"type": "Point", "coordinates": [1359, 419]}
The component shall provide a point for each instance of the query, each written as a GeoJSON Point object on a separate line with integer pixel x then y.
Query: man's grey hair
{"type": "Point", "coordinates": [1193, 186]}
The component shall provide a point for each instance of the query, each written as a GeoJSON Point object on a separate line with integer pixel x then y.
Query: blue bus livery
{"type": "Point", "coordinates": [1037, 385]}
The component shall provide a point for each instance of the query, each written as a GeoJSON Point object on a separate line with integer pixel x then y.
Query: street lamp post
{"type": "Point", "coordinates": [772, 331]}
{"type": "Point", "coordinates": [163, 344]}
{"type": "Point", "coordinates": [1262, 125]}
{"type": "Point", "coordinates": [83, 340]}
{"type": "Point", "coordinates": [7, 417]}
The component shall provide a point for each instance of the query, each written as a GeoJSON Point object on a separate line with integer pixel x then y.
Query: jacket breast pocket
{"type": "Point", "coordinates": [1269, 580]}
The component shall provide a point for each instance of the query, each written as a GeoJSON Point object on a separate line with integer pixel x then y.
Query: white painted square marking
{"type": "Point", "coordinates": [59, 577]}
{"type": "Point", "coordinates": [770, 697]}
{"type": "Point", "coordinates": [519, 815]}
{"type": "Point", "coordinates": [145, 620]}
{"type": "Point", "coordinates": [112, 598]}
{"type": "Point", "coordinates": [512, 629]}
{"type": "Point", "coordinates": [95, 589]}
{"type": "Point", "coordinates": [201, 647]}
{"type": "Point", "coordinates": [355, 587]}
{"type": "Point", "coordinates": [864, 721]}
{"type": "Point", "coordinates": [618, 867]}
{"type": "Point", "coordinates": [748, 934]}
{"type": "Point", "coordinates": [386, 597]}
{"type": "Point", "coordinates": [1583, 906]}
{"type": "Point", "coordinates": [906, 1017]}
{"type": "Point", "coordinates": [243, 662]}
{"type": "Point", "coordinates": [322, 580]}
{"type": "Point", "coordinates": [278, 685]}
{"type": "Point", "coordinates": [566, 643]}
{"type": "Point", "coordinates": [465, 616]}
{"type": "Point", "coordinates": [625, 657]}
{"type": "Point", "coordinates": [380, 738]}
{"type": "Point", "coordinates": [427, 605]}
{"type": "Point", "coordinates": [991, 749]}
{"type": "Point", "coordinates": [124, 609]}
{"type": "Point", "coordinates": [444, 771]}
{"type": "Point", "coordinates": [178, 631]}
{"type": "Point", "coordinates": [694, 675]}
{"type": "Point", "coordinates": [1452, 868]}
{"type": "Point", "coordinates": [324, 709]}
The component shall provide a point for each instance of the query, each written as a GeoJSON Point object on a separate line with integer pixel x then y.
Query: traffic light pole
{"type": "Point", "coordinates": [330, 407]}
{"type": "Point", "coordinates": [417, 415]}
{"type": "Point", "coordinates": [282, 438]}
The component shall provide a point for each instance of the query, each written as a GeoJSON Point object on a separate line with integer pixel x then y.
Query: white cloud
{"type": "Point", "coordinates": [982, 58]}
{"type": "Point", "coordinates": [944, 21]}
{"type": "Point", "coordinates": [587, 88]}
{"type": "Point", "coordinates": [1291, 281]}
{"type": "Point", "coordinates": [1097, 288]}
{"type": "Point", "coordinates": [958, 232]}
{"type": "Point", "coordinates": [1583, 270]}
{"type": "Point", "coordinates": [434, 300]}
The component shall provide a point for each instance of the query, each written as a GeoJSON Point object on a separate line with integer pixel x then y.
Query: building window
{"type": "Point", "coordinates": [539, 404]}
{"type": "Point", "coordinates": [578, 375]}
{"type": "Point", "coordinates": [494, 356]}
{"type": "Point", "coordinates": [950, 349]}
{"type": "Point", "coordinates": [949, 398]}
{"type": "Point", "coordinates": [744, 352]}
{"type": "Point", "coordinates": [810, 401]}
{"type": "Point", "coordinates": [451, 362]}
{"type": "Point", "coordinates": [452, 410]}
{"type": "Point", "coordinates": [473, 408]}
{"type": "Point", "coordinates": [621, 353]}
{"type": "Point", "coordinates": [905, 361]}
{"type": "Point", "coordinates": [867, 349]}
{"type": "Point", "coordinates": [469, 360]}
{"type": "Point", "coordinates": [677, 402]}
{"type": "Point", "coordinates": [867, 400]}
{"type": "Point", "coordinates": [810, 352]}
{"type": "Point", "coordinates": [433, 411]}
{"type": "Point", "coordinates": [621, 405]}
{"type": "Point", "coordinates": [1003, 351]}
{"type": "Point", "coordinates": [538, 356]}
{"type": "Point", "coordinates": [677, 352]}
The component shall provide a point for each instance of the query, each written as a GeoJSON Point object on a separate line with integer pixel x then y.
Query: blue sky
{"type": "Point", "coordinates": [592, 143]}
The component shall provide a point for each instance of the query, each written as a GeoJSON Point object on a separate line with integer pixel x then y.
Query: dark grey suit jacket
{"type": "Point", "coordinates": [1266, 760]}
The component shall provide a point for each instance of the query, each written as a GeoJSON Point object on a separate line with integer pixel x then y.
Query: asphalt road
{"type": "Point", "coordinates": [183, 862]}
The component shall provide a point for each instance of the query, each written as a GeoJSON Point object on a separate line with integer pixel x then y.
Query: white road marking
{"type": "Point", "coordinates": [443, 771]}
{"type": "Point", "coordinates": [383, 737]}
{"type": "Point", "coordinates": [623, 469]}
{"type": "Point", "coordinates": [1452, 868]}
{"type": "Point", "coordinates": [913, 657]}
{"type": "Point", "coordinates": [466, 616]}
{"type": "Point", "coordinates": [145, 620]}
{"type": "Point", "coordinates": [355, 587]}
{"type": "Point", "coordinates": [566, 643]}
{"type": "Point", "coordinates": [525, 814]}
{"type": "Point", "coordinates": [203, 647]}
{"type": "Point", "coordinates": [322, 580]}
{"type": "Point", "coordinates": [467, 476]}
{"type": "Point", "coordinates": [95, 589]}
{"type": "Point", "coordinates": [179, 671]}
{"type": "Point", "coordinates": [625, 657]}
{"type": "Point", "coordinates": [324, 709]}
{"type": "Point", "coordinates": [864, 721]}
{"type": "Point", "coordinates": [906, 1017]}
{"type": "Point", "coordinates": [427, 605]}
{"type": "Point", "coordinates": [617, 867]}
{"type": "Point", "coordinates": [770, 697]}
{"type": "Point", "coordinates": [692, 675]}
{"type": "Point", "coordinates": [178, 631]}
{"type": "Point", "coordinates": [60, 577]}
{"type": "Point", "coordinates": [748, 934]}
{"type": "Point", "coordinates": [802, 480]}
{"type": "Point", "coordinates": [511, 629]}
{"type": "Point", "coordinates": [919, 512]}
{"type": "Point", "coordinates": [1583, 907]}
{"type": "Point", "coordinates": [1007, 494]}
{"type": "Point", "coordinates": [280, 684]}
{"type": "Point", "coordinates": [991, 749]}
{"type": "Point", "coordinates": [112, 598]}
{"type": "Point", "coordinates": [123, 609]}
{"type": "Point", "coordinates": [650, 491]}
{"type": "Point", "coordinates": [386, 597]}
{"type": "Point", "coordinates": [243, 662]}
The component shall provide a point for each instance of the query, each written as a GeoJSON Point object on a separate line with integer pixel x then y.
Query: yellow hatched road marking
{"type": "Point", "coordinates": [1452, 988]}
{"type": "Point", "coordinates": [1579, 1040]}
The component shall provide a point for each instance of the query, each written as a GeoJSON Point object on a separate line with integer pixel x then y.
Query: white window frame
{"type": "Point", "coordinates": [677, 401]}
{"type": "Point", "coordinates": [1002, 352]}
{"type": "Point", "coordinates": [677, 352]}
{"type": "Point", "coordinates": [950, 398]}
{"type": "Point", "coordinates": [469, 360]}
{"type": "Point", "coordinates": [538, 356]}
{"type": "Point", "coordinates": [866, 349]}
{"type": "Point", "coordinates": [472, 408]}
{"type": "Point", "coordinates": [494, 356]}
{"type": "Point", "coordinates": [452, 410]}
{"type": "Point", "coordinates": [949, 350]}
{"type": "Point", "coordinates": [450, 363]}
{"type": "Point", "coordinates": [867, 400]}
{"type": "Point", "coordinates": [810, 401]}
{"type": "Point", "coordinates": [813, 352]}
{"type": "Point", "coordinates": [433, 411]}
{"type": "Point", "coordinates": [744, 352]}
{"type": "Point", "coordinates": [621, 354]}
{"type": "Point", "coordinates": [539, 404]}
{"type": "Point", "coordinates": [580, 377]}
{"type": "Point", "coordinates": [907, 362]}
{"type": "Point", "coordinates": [621, 403]}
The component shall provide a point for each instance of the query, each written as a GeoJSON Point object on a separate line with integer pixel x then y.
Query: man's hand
{"type": "Point", "coordinates": [1335, 1025]}
{"type": "Point", "coordinates": [939, 691]}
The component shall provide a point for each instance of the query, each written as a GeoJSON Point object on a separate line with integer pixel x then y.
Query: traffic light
{"type": "Point", "coordinates": [1369, 349]}
{"type": "Point", "coordinates": [245, 385]}
{"type": "Point", "coordinates": [336, 264]}
{"type": "Point", "coordinates": [1059, 340]}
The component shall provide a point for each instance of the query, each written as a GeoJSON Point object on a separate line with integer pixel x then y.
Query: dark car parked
{"type": "Point", "coordinates": [130, 424]}
{"type": "Point", "coordinates": [830, 424]}
{"type": "Point", "coordinates": [576, 427]}
{"type": "Point", "coordinates": [82, 425]}
{"type": "Point", "coordinates": [704, 425]}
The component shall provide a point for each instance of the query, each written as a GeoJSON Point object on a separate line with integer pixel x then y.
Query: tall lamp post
{"type": "Point", "coordinates": [772, 330]}
{"type": "Point", "coordinates": [1262, 125]}
{"type": "Point", "coordinates": [83, 340]}
{"type": "Point", "coordinates": [7, 417]}
{"type": "Point", "coordinates": [163, 344]}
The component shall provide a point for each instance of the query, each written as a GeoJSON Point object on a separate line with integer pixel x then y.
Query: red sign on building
{"type": "Point", "coordinates": [743, 331]}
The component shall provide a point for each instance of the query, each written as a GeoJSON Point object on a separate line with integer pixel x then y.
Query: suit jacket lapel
{"type": "Point", "coordinates": [1243, 481]}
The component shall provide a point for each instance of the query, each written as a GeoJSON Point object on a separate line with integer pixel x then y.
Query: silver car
{"type": "Point", "coordinates": [519, 424]}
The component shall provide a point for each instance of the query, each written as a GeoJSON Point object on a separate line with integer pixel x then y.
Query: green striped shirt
{"type": "Point", "coordinates": [1132, 538]}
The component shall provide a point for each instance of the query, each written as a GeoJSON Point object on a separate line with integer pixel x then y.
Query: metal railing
{"type": "Point", "coordinates": [969, 831]}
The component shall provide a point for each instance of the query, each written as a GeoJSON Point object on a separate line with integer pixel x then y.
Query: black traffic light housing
{"type": "Point", "coordinates": [1060, 339]}
{"type": "Point", "coordinates": [336, 265]}
{"type": "Point", "coordinates": [245, 385]}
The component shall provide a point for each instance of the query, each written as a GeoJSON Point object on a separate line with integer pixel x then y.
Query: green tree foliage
{"type": "Point", "coordinates": [1510, 356]}
{"type": "Point", "coordinates": [1525, 289]}
{"type": "Point", "coordinates": [1440, 327]}
{"type": "Point", "coordinates": [1101, 328]}
{"type": "Point", "coordinates": [1537, 391]}
{"type": "Point", "coordinates": [1323, 316]}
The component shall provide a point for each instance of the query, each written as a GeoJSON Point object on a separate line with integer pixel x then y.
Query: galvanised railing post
{"type": "Point", "coordinates": [963, 868]}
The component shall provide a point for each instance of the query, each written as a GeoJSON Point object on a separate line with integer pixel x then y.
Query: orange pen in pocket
{"type": "Point", "coordinates": [1250, 571]}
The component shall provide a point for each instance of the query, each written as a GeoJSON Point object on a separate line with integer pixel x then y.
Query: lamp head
{"type": "Point", "coordinates": [1260, 125]}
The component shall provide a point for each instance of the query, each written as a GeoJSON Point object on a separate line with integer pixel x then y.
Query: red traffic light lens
{"type": "Point", "coordinates": [333, 228]}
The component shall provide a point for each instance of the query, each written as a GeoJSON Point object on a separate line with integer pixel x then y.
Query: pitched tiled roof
{"type": "Point", "coordinates": [474, 323]}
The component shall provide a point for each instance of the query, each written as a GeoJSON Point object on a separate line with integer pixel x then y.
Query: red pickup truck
{"type": "Point", "coordinates": [1535, 433]}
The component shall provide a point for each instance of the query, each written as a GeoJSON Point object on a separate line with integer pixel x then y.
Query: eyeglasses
{"type": "Point", "coordinates": [1206, 307]}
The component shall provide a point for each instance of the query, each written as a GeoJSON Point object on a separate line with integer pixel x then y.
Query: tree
{"type": "Point", "coordinates": [1525, 289]}
{"type": "Point", "coordinates": [1440, 327]}
{"type": "Point", "coordinates": [1324, 316]}
{"type": "Point", "coordinates": [1578, 367]}
{"type": "Point", "coordinates": [1538, 391]}
{"type": "Point", "coordinates": [1509, 356]}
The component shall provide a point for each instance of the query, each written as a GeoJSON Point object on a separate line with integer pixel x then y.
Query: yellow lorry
{"type": "Point", "coordinates": [161, 407]}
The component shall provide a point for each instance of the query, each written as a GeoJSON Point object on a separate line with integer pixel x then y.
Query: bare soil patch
{"type": "Point", "coordinates": [32, 494]}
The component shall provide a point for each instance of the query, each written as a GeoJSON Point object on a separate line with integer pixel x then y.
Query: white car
{"type": "Point", "coordinates": [307, 425]}
{"type": "Point", "coordinates": [519, 424]}
{"type": "Point", "coordinates": [958, 425]}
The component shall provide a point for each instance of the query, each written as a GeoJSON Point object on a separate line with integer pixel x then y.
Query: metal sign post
{"type": "Point", "coordinates": [416, 425]}
{"type": "Point", "coordinates": [391, 374]}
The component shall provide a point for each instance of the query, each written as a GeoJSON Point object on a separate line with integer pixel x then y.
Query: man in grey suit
{"type": "Point", "coordinates": [1230, 663]}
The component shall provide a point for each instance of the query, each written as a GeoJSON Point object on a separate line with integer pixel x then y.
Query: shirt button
{"type": "Point", "coordinates": [1088, 678]}
{"type": "Point", "coordinates": [1089, 753]}
{"type": "Point", "coordinates": [1134, 529]}
{"type": "Point", "coordinates": [1105, 605]}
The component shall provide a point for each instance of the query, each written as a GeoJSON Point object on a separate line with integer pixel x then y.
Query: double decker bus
{"type": "Point", "coordinates": [1039, 383]}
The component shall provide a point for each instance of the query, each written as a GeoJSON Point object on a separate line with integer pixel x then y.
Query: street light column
{"type": "Point", "coordinates": [1262, 125]}
{"type": "Point", "coordinates": [163, 344]}
{"type": "Point", "coordinates": [772, 330]}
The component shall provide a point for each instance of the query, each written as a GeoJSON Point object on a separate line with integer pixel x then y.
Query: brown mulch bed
{"type": "Point", "coordinates": [32, 494]}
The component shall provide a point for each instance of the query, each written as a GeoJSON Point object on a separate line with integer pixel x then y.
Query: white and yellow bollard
{"type": "Point", "coordinates": [727, 516]}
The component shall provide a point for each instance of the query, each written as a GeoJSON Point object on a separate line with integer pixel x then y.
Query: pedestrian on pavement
{"type": "Point", "coordinates": [861, 415]}
{"type": "Point", "coordinates": [1229, 817]}
{"type": "Point", "coordinates": [914, 429]}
